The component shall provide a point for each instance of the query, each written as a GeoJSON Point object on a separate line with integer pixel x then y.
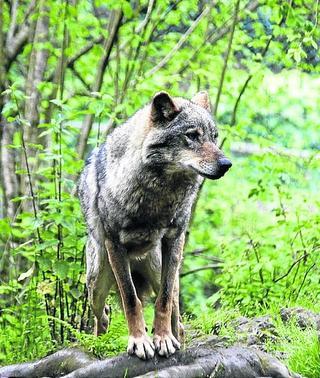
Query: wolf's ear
{"type": "Point", "coordinates": [163, 107]}
{"type": "Point", "coordinates": [202, 99]}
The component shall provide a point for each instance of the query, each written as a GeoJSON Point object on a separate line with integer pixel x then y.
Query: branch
{"type": "Point", "coordinates": [196, 270]}
{"type": "Point", "coordinates": [37, 66]}
{"type": "Point", "coordinates": [78, 75]}
{"type": "Point", "coordinates": [218, 34]}
{"type": "Point", "coordinates": [182, 40]}
{"type": "Point", "coordinates": [304, 279]}
{"type": "Point", "coordinates": [235, 108]}
{"type": "Point", "coordinates": [158, 20]}
{"type": "Point", "coordinates": [145, 21]}
{"type": "Point", "coordinates": [291, 267]}
{"type": "Point", "coordinates": [225, 63]}
{"type": "Point", "coordinates": [13, 23]}
{"type": "Point", "coordinates": [132, 58]}
{"type": "Point", "coordinates": [116, 18]}
{"type": "Point", "coordinates": [72, 60]}
{"type": "Point", "coordinates": [246, 148]}
{"type": "Point", "coordinates": [15, 44]}
{"type": "Point", "coordinates": [246, 83]}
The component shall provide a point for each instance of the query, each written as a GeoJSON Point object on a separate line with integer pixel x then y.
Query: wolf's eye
{"type": "Point", "coordinates": [193, 135]}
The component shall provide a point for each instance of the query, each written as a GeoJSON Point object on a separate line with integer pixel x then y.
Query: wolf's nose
{"type": "Point", "coordinates": [224, 164]}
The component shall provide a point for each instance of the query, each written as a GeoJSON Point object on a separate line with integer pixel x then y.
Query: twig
{"type": "Point", "coordinates": [13, 22]}
{"type": "Point", "coordinates": [245, 85]}
{"type": "Point", "coordinates": [145, 21]}
{"type": "Point", "coordinates": [25, 155]}
{"type": "Point", "coordinates": [182, 40]}
{"type": "Point", "coordinates": [133, 56]}
{"type": "Point", "coordinates": [15, 44]}
{"type": "Point", "coordinates": [254, 248]}
{"type": "Point", "coordinates": [72, 60]}
{"type": "Point", "coordinates": [225, 63]}
{"type": "Point", "coordinates": [116, 18]}
{"type": "Point", "coordinates": [304, 279]}
{"type": "Point", "coordinates": [33, 198]}
{"type": "Point", "coordinates": [151, 33]}
{"type": "Point", "coordinates": [59, 170]}
{"type": "Point", "coordinates": [291, 267]}
{"type": "Point", "coordinates": [216, 35]}
{"type": "Point", "coordinates": [235, 108]}
{"type": "Point", "coordinates": [206, 267]}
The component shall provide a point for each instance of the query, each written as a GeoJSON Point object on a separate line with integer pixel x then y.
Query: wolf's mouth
{"type": "Point", "coordinates": [211, 177]}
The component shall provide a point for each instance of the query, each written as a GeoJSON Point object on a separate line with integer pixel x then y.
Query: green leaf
{"type": "Point", "coordinates": [61, 269]}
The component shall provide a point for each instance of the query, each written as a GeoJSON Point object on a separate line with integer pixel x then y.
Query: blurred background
{"type": "Point", "coordinates": [72, 70]}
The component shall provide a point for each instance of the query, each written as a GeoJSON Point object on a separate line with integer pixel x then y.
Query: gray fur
{"type": "Point", "coordinates": [137, 190]}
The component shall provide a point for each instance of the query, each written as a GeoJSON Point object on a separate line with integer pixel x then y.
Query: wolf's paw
{"type": "Point", "coordinates": [141, 346]}
{"type": "Point", "coordinates": [166, 344]}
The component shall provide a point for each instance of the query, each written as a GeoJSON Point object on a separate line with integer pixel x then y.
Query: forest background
{"type": "Point", "coordinates": [72, 70]}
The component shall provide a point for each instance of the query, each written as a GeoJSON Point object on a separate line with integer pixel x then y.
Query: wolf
{"type": "Point", "coordinates": [136, 192]}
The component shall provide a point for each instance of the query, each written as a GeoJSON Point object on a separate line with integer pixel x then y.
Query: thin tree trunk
{"type": "Point", "coordinates": [36, 71]}
{"type": "Point", "coordinates": [9, 179]}
{"type": "Point", "coordinates": [2, 76]}
{"type": "Point", "coordinates": [10, 47]}
{"type": "Point", "coordinates": [115, 21]}
{"type": "Point", "coordinates": [37, 66]}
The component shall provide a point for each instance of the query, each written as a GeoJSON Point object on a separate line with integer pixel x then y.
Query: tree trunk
{"type": "Point", "coordinates": [10, 46]}
{"type": "Point", "coordinates": [9, 179]}
{"type": "Point", "coordinates": [36, 71]}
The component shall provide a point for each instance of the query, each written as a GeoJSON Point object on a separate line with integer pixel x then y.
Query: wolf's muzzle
{"type": "Point", "coordinates": [214, 172]}
{"type": "Point", "coordinates": [223, 165]}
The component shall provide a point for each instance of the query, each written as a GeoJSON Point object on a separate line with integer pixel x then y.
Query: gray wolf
{"type": "Point", "coordinates": [136, 193]}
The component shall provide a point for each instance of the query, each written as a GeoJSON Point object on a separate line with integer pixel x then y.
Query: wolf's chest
{"type": "Point", "coordinates": [156, 205]}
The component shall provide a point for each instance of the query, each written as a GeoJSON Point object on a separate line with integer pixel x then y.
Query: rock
{"type": "Point", "coordinates": [303, 317]}
{"type": "Point", "coordinates": [202, 360]}
{"type": "Point", "coordinates": [256, 331]}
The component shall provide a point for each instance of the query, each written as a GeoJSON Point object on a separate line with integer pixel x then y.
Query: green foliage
{"type": "Point", "coordinates": [256, 230]}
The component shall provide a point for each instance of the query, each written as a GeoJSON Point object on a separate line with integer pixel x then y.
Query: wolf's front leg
{"type": "Point", "coordinates": [176, 321]}
{"type": "Point", "coordinates": [139, 343]}
{"type": "Point", "coordinates": [164, 340]}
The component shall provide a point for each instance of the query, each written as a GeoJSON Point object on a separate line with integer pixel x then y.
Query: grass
{"type": "Point", "coordinates": [300, 347]}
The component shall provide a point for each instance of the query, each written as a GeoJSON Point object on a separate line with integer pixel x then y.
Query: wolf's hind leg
{"type": "Point", "coordinates": [99, 282]}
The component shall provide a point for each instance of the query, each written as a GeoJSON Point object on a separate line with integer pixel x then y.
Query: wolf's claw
{"type": "Point", "coordinates": [141, 346]}
{"type": "Point", "coordinates": [166, 345]}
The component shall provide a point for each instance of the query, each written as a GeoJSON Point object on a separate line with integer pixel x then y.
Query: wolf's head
{"type": "Point", "coordinates": [183, 136]}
